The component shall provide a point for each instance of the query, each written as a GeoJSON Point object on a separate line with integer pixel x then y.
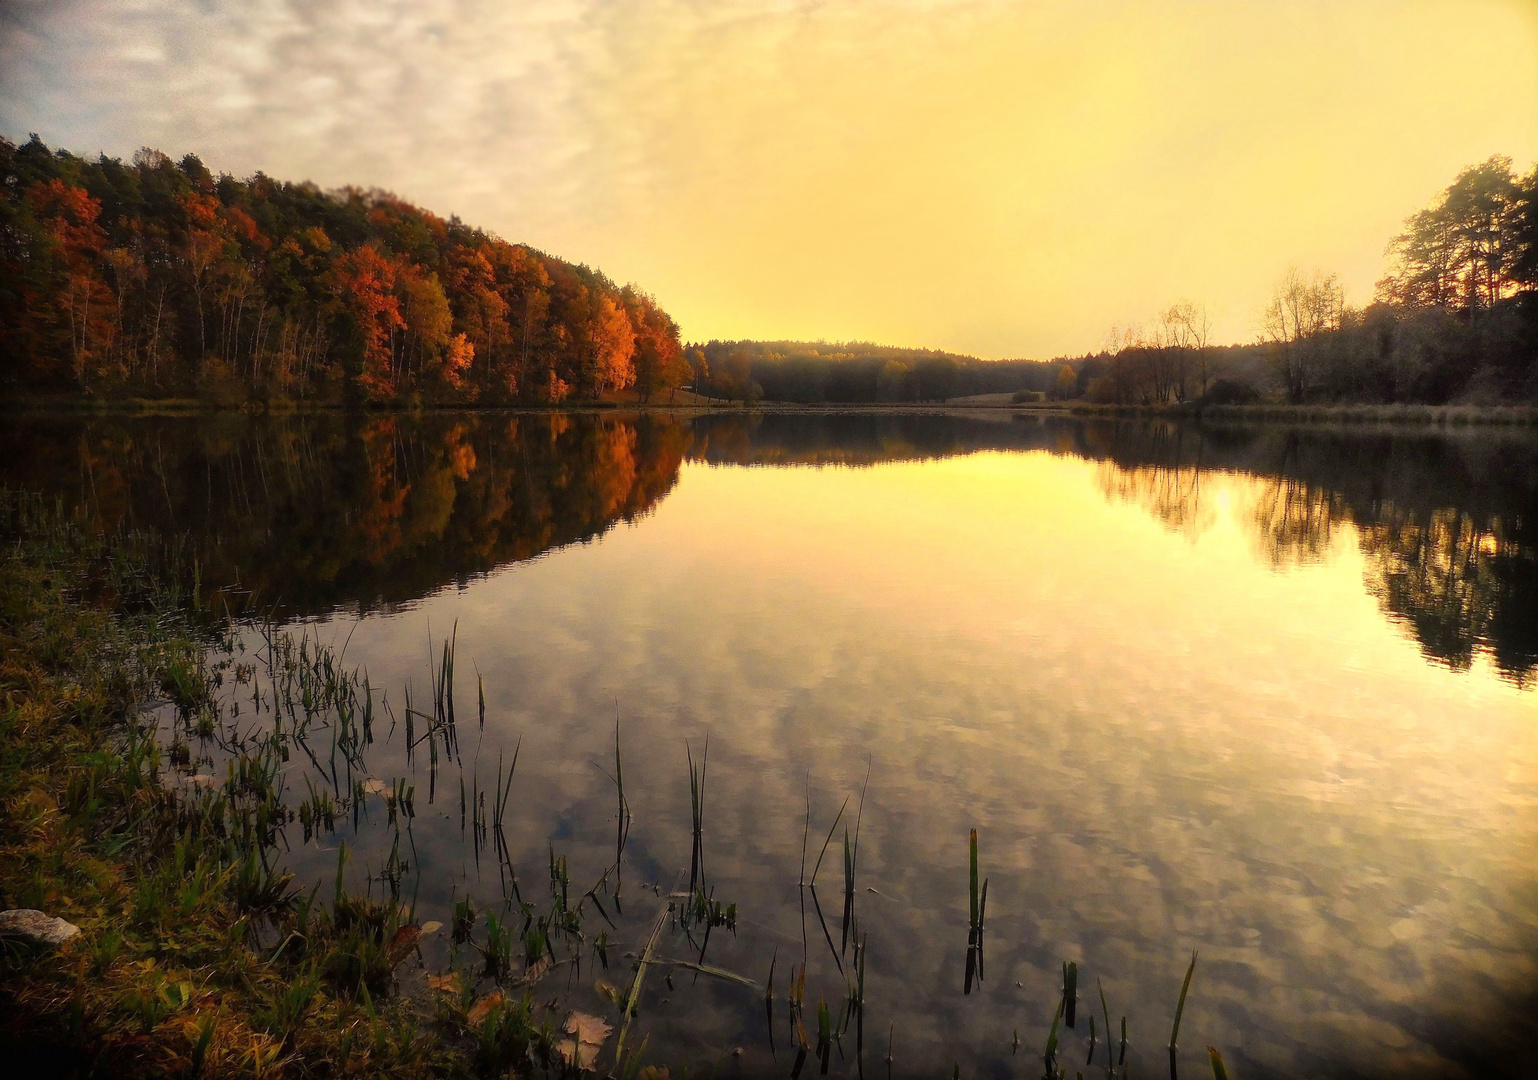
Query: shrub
{"type": "Point", "coordinates": [1230, 392]}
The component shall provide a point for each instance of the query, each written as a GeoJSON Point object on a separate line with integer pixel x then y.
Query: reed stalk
{"type": "Point", "coordinates": [1180, 1008]}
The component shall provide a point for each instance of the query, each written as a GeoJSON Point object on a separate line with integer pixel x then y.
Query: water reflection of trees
{"type": "Point", "coordinates": [1167, 482]}
{"type": "Point", "coordinates": [1173, 494]}
{"type": "Point", "coordinates": [1446, 523]}
{"type": "Point", "coordinates": [1294, 521]}
{"type": "Point", "coordinates": [1460, 584]}
{"type": "Point", "coordinates": [1446, 520]}
{"type": "Point", "coordinates": [308, 512]}
{"type": "Point", "coordinates": [853, 438]}
{"type": "Point", "coordinates": [322, 510]}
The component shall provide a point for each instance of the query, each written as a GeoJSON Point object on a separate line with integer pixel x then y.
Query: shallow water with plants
{"type": "Point", "coordinates": [800, 742]}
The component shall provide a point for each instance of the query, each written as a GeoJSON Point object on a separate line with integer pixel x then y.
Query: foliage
{"type": "Point", "coordinates": [158, 279]}
{"type": "Point", "coordinates": [810, 372]}
{"type": "Point", "coordinates": [1464, 251]}
{"type": "Point", "coordinates": [1454, 320]}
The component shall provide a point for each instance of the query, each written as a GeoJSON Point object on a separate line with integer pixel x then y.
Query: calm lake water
{"type": "Point", "coordinates": [1265, 693]}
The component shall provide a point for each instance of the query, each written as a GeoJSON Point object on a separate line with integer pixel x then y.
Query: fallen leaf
{"type": "Point", "coordinates": [377, 787]}
{"type": "Point", "coordinates": [431, 927]}
{"type": "Point", "coordinates": [537, 970]}
{"type": "Point", "coordinates": [482, 1008]}
{"type": "Point", "coordinates": [606, 991]}
{"type": "Point", "coordinates": [589, 1032]}
{"type": "Point", "coordinates": [448, 984]}
{"type": "Point", "coordinates": [588, 1029]}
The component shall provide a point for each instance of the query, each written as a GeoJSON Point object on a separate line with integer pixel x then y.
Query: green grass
{"type": "Point", "coordinates": [176, 892]}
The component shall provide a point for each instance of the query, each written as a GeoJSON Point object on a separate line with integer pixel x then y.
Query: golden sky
{"type": "Point", "coordinates": [1007, 179]}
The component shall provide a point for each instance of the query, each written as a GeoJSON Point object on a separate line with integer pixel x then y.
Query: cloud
{"type": "Point", "coordinates": [999, 177]}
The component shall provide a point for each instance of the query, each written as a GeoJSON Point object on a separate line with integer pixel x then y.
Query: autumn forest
{"type": "Point", "coordinates": [158, 278]}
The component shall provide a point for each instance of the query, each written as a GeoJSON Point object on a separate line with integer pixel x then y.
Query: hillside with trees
{"type": "Point", "coordinates": [809, 372]}
{"type": "Point", "coordinates": [159, 279]}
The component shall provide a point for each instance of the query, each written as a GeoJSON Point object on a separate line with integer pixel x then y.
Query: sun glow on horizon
{"type": "Point", "coordinates": [995, 178]}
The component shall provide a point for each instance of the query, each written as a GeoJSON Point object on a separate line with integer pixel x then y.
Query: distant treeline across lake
{"type": "Point", "coordinates": [158, 279]}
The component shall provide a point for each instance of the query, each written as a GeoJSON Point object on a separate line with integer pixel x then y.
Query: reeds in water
{"type": "Point", "coordinates": [1180, 1008]}
{"type": "Point", "coordinates": [1070, 992]}
{"type": "Point", "coordinates": [504, 788]}
{"type": "Point", "coordinates": [622, 819]}
{"type": "Point", "coordinates": [308, 693]}
{"type": "Point", "coordinates": [979, 911]}
{"type": "Point", "coordinates": [697, 817]}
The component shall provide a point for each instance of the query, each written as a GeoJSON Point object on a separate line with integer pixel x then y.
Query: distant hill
{"type": "Point", "coordinates": [807, 372]}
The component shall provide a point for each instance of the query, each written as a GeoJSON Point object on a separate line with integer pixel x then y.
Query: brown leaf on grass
{"type": "Point", "coordinates": [482, 1008]}
{"type": "Point", "coordinates": [402, 943]}
{"type": "Point", "coordinates": [448, 984]}
{"type": "Point", "coordinates": [537, 970]}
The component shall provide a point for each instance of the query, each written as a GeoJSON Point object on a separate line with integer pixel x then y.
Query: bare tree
{"type": "Point", "coordinates": [1301, 308]}
{"type": "Point", "coordinates": [1196, 337]}
{"type": "Point", "coordinates": [1131, 369]}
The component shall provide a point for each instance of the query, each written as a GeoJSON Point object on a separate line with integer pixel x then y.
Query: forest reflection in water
{"type": "Point", "coordinates": [1448, 525]}
{"type": "Point", "coordinates": [311, 513]}
{"type": "Point", "coordinates": [1149, 663]}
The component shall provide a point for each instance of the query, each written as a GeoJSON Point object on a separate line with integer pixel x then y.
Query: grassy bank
{"type": "Point", "coordinates": [1000, 404]}
{"type": "Point", "coordinates": [1446, 415]}
{"type": "Point", "coordinates": [195, 956]}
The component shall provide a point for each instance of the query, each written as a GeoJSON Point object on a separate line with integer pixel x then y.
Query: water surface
{"type": "Point", "coordinates": [1259, 692]}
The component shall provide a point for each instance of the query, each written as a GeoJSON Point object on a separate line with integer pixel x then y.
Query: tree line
{"type": "Point", "coordinates": [1455, 318]}
{"type": "Point", "coordinates": [158, 278]}
{"type": "Point", "coordinates": [808, 372]}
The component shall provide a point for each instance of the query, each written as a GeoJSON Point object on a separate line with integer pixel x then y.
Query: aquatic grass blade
{"type": "Point", "coordinates": [1219, 1070]}
{"type": "Point", "coordinates": [1180, 1008]}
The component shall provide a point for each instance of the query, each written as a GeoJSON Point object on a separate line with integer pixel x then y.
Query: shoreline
{"type": "Point", "coordinates": [1350, 414]}
{"type": "Point", "coordinates": [172, 888]}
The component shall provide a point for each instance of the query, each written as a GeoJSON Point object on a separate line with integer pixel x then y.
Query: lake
{"type": "Point", "coordinates": [1262, 692]}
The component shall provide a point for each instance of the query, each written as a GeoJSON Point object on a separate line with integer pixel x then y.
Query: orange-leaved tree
{"type": "Point", "coordinates": [363, 282]}
{"type": "Point", "coordinates": [73, 314]}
